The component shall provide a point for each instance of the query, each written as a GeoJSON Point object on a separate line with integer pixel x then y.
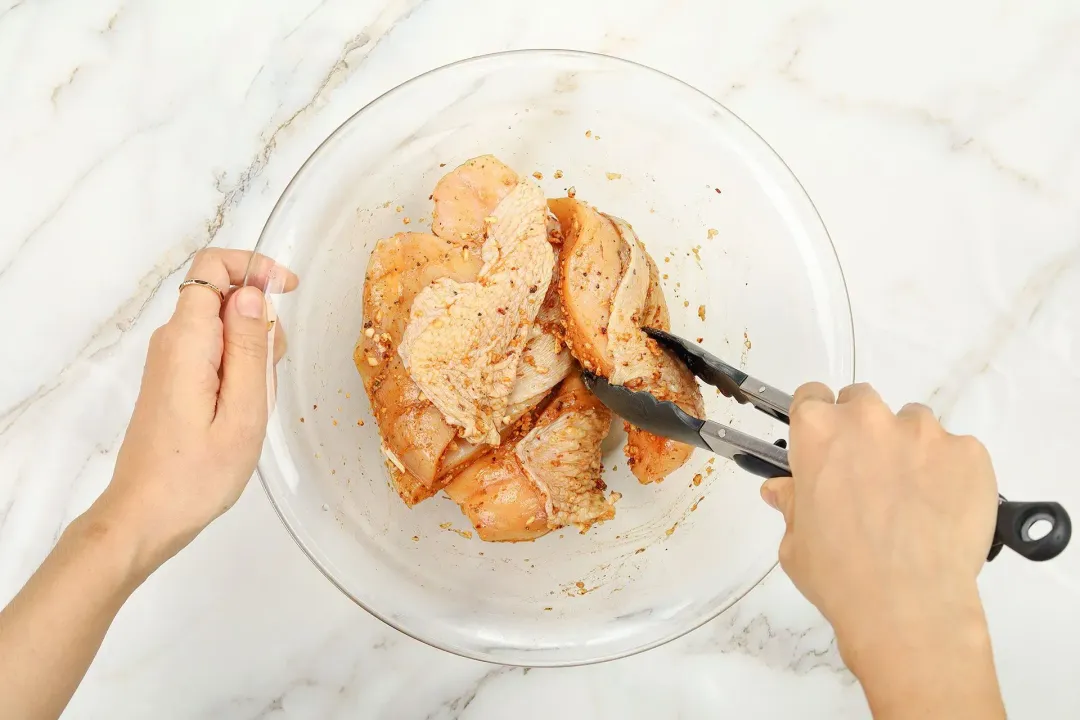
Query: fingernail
{"type": "Point", "coordinates": [769, 496]}
{"type": "Point", "coordinates": [249, 302]}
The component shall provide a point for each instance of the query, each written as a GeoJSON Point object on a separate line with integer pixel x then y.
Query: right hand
{"type": "Point", "coordinates": [889, 520]}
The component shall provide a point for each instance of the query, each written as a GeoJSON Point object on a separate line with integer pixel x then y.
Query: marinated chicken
{"type": "Point", "coordinates": [422, 447]}
{"type": "Point", "coordinates": [610, 289]}
{"type": "Point", "coordinates": [415, 434]}
{"type": "Point", "coordinates": [546, 360]}
{"type": "Point", "coordinates": [469, 194]}
{"type": "Point", "coordinates": [546, 476]}
{"type": "Point", "coordinates": [468, 347]}
{"type": "Point", "coordinates": [464, 199]}
{"type": "Point", "coordinates": [591, 264]}
{"type": "Point", "coordinates": [484, 371]}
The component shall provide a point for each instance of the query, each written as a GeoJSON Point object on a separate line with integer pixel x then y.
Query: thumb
{"type": "Point", "coordinates": [779, 493]}
{"type": "Point", "coordinates": [242, 404]}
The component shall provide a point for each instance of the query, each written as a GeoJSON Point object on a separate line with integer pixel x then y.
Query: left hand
{"type": "Point", "coordinates": [200, 419]}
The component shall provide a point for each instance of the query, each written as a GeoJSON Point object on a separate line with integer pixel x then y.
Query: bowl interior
{"type": "Point", "coordinates": [747, 266]}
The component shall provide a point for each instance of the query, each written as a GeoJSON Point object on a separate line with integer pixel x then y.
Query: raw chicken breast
{"type": "Point", "coordinates": [652, 457]}
{"type": "Point", "coordinates": [610, 288]}
{"type": "Point", "coordinates": [467, 195]}
{"type": "Point", "coordinates": [407, 486]}
{"type": "Point", "coordinates": [591, 264]}
{"type": "Point", "coordinates": [464, 341]}
{"type": "Point", "coordinates": [545, 476]}
{"type": "Point", "coordinates": [544, 364]}
{"type": "Point", "coordinates": [422, 448]}
{"type": "Point", "coordinates": [414, 433]}
{"type": "Point", "coordinates": [546, 361]}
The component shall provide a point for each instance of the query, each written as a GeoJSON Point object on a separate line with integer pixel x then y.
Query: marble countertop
{"type": "Point", "coordinates": [940, 141]}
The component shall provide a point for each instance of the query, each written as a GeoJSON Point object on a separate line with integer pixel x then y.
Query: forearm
{"type": "Point", "coordinates": [52, 629]}
{"type": "Point", "coordinates": [938, 665]}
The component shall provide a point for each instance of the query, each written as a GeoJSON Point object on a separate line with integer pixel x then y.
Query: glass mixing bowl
{"type": "Point", "coordinates": [747, 266]}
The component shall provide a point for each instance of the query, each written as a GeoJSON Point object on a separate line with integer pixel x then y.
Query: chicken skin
{"type": "Point", "coordinates": [610, 289]}
{"type": "Point", "coordinates": [545, 476]}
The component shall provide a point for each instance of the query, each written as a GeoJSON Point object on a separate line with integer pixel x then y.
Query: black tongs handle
{"type": "Point", "coordinates": [1015, 521]}
{"type": "Point", "coordinates": [731, 381]}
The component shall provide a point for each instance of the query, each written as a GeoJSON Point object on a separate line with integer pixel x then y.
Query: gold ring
{"type": "Point", "coordinates": [205, 284]}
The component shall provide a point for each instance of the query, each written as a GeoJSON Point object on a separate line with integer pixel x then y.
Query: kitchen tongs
{"type": "Point", "coordinates": [1015, 520]}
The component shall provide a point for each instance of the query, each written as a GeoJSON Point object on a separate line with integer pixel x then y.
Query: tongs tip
{"type": "Point", "coordinates": [642, 409]}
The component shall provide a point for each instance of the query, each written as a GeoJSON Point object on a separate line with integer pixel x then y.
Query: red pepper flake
{"type": "Point", "coordinates": [717, 191]}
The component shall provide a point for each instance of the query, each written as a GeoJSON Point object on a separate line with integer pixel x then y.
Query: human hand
{"type": "Point", "coordinates": [200, 419]}
{"type": "Point", "coordinates": [889, 520]}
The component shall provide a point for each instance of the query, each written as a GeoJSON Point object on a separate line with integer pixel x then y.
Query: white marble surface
{"type": "Point", "coordinates": [940, 141]}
